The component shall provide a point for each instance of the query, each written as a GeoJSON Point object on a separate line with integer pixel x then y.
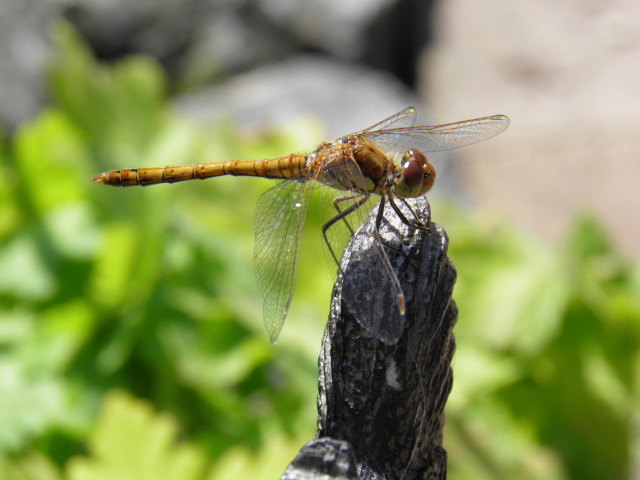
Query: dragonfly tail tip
{"type": "Point", "coordinates": [99, 178]}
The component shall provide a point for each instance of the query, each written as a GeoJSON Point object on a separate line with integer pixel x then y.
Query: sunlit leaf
{"type": "Point", "coordinates": [112, 269]}
{"type": "Point", "coordinates": [268, 463]}
{"type": "Point", "coordinates": [30, 404]}
{"type": "Point", "coordinates": [33, 466]}
{"type": "Point", "coordinates": [132, 441]}
{"type": "Point", "coordinates": [73, 231]}
{"type": "Point", "coordinates": [51, 162]}
{"type": "Point", "coordinates": [24, 272]}
{"type": "Point", "coordinates": [118, 108]}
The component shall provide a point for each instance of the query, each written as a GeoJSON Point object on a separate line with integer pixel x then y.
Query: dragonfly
{"type": "Point", "coordinates": [385, 161]}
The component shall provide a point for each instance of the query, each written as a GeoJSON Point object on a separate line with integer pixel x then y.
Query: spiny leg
{"type": "Point", "coordinates": [336, 205]}
{"type": "Point", "coordinates": [402, 217]}
{"type": "Point", "coordinates": [379, 216]}
{"type": "Point", "coordinates": [342, 214]}
{"type": "Point", "coordinates": [395, 283]}
{"type": "Point", "coordinates": [417, 224]}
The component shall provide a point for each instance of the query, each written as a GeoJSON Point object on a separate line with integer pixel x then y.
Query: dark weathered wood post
{"type": "Point", "coordinates": [380, 405]}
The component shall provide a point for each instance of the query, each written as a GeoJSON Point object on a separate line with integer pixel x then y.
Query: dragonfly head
{"type": "Point", "coordinates": [416, 175]}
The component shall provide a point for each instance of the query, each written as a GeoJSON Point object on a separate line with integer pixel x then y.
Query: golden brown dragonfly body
{"type": "Point", "coordinates": [385, 159]}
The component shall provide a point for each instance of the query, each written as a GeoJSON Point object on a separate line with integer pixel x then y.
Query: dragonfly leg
{"type": "Point", "coordinates": [379, 216]}
{"type": "Point", "coordinates": [336, 205]}
{"type": "Point", "coordinates": [342, 214]}
{"type": "Point", "coordinates": [395, 283]}
{"type": "Point", "coordinates": [417, 224]}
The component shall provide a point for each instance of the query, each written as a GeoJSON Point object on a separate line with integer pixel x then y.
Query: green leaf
{"type": "Point", "coordinates": [132, 442]}
{"type": "Point", "coordinates": [268, 463]}
{"type": "Point", "coordinates": [109, 281]}
{"type": "Point", "coordinates": [31, 403]}
{"type": "Point", "coordinates": [33, 466]}
{"type": "Point", "coordinates": [24, 273]}
{"type": "Point", "coordinates": [118, 108]}
{"type": "Point", "coordinates": [51, 162]}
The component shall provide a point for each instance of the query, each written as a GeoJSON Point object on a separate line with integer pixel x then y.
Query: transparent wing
{"type": "Point", "coordinates": [402, 119]}
{"type": "Point", "coordinates": [438, 137]}
{"type": "Point", "coordinates": [279, 221]}
{"type": "Point", "coordinates": [373, 293]}
{"type": "Point", "coordinates": [354, 207]}
{"type": "Point", "coordinates": [343, 212]}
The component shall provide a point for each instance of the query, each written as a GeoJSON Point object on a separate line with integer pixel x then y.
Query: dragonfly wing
{"type": "Point", "coordinates": [438, 137]}
{"type": "Point", "coordinates": [279, 220]}
{"type": "Point", "coordinates": [371, 289]}
{"type": "Point", "coordinates": [402, 119]}
{"type": "Point", "coordinates": [341, 214]}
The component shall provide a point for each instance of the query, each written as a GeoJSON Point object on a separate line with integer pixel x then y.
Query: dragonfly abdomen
{"type": "Point", "coordinates": [282, 167]}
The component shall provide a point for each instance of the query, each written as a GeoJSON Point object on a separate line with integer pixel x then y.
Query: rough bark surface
{"type": "Point", "coordinates": [381, 400]}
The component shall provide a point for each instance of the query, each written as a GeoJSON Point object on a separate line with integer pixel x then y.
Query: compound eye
{"type": "Point", "coordinates": [413, 174]}
{"type": "Point", "coordinates": [417, 155]}
{"type": "Point", "coordinates": [417, 175]}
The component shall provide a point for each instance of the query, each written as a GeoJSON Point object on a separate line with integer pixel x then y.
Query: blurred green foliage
{"type": "Point", "coordinates": [131, 340]}
{"type": "Point", "coordinates": [547, 365]}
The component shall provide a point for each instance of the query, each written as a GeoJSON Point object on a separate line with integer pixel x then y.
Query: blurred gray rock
{"type": "Point", "coordinates": [205, 42]}
{"type": "Point", "coordinates": [24, 51]}
{"type": "Point", "coordinates": [569, 81]}
{"type": "Point", "coordinates": [344, 96]}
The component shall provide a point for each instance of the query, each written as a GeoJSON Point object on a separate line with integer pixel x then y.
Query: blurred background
{"type": "Point", "coordinates": [131, 336]}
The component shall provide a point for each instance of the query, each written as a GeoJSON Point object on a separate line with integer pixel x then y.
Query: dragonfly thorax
{"type": "Point", "coordinates": [351, 164]}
